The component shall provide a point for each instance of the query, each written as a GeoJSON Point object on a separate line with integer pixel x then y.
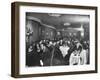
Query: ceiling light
{"type": "Point", "coordinates": [67, 24]}
{"type": "Point", "coordinates": [54, 14]}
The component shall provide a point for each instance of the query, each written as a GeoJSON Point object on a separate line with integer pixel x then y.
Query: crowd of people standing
{"type": "Point", "coordinates": [58, 52]}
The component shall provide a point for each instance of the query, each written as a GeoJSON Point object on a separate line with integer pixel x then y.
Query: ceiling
{"type": "Point", "coordinates": [72, 20]}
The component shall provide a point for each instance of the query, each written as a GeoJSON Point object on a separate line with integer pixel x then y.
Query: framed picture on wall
{"type": "Point", "coordinates": [53, 39]}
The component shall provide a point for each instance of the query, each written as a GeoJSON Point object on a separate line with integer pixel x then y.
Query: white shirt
{"type": "Point", "coordinates": [64, 50]}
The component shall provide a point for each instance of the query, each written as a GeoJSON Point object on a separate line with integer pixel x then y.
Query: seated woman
{"type": "Point", "coordinates": [74, 58]}
{"type": "Point", "coordinates": [78, 55]}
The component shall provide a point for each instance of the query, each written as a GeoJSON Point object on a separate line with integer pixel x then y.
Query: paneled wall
{"type": "Point", "coordinates": [48, 33]}
{"type": "Point", "coordinates": [33, 31]}
{"type": "Point", "coordinates": [36, 31]}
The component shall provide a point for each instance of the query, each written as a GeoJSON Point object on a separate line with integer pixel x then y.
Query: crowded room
{"type": "Point", "coordinates": [54, 39]}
